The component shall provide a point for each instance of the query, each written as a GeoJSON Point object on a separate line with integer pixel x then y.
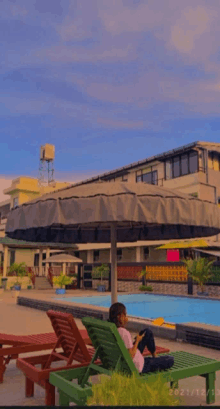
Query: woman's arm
{"type": "Point", "coordinates": [132, 351]}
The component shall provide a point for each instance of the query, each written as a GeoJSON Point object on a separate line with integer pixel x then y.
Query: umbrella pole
{"type": "Point", "coordinates": [114, 297]}
{"type": "Point", "coordinates": [64, 268]}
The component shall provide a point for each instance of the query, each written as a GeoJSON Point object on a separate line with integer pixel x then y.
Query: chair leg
{"type": "Point", "coordinates": [49, 394]}
{"type": "Point", "coordinates": [63, 399]}
{"type": "Point", "coordinates": [210, 388]}
{"type": "Point", "coordinates": [29, 387]}
{"type": "Point", "coordinates": [2, 367]}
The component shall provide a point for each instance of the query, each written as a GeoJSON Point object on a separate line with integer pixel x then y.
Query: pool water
{"type": "Point", "coordinates": [171, 308]}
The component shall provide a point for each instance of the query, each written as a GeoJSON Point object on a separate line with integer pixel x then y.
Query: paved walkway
{"type": "Point", "coordinates": [19, 320]}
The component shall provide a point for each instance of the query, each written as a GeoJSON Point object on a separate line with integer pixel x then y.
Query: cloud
{"type": "Point", "coordinates": [117, 18]}
{"type": "Point", "coordinates": [190, 28]}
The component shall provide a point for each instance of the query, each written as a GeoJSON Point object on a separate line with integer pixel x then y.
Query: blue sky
{"type": "Point", "coordinates": [107, 82]}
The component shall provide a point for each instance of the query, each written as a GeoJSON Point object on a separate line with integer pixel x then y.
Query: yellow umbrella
{"type": "Point", "coordinates": [184, 244]}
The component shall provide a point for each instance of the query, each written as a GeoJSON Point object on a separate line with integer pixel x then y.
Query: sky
{"type": "Point", "coordinates": [107, 82]}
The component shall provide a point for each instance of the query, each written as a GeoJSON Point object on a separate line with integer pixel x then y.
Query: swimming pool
{"type": "Point", "coordinates": [171, 308]}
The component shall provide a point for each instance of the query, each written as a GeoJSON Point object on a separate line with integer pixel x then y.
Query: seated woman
{"type": "Point", "coordinates": [118, 315]}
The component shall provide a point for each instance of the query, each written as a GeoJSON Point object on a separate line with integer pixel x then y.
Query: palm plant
{"type": "Point", "coordinates": [62, 280]}
{"type": "Point", "coordinates": [199, 270]}
{"type": "Point", "coordinates": [20, 271]}
{"type": "Point", "coordinates": [101, 272]}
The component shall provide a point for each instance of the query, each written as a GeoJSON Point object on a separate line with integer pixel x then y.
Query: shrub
{"type": "Point", "coordinates": [122, 390]}
{"type": "Point", "coordinates": [146, 288]}
{"type": "Point", "coordinates": [199, 270]}
{"type": "Point", "coordinates": [62, 280]}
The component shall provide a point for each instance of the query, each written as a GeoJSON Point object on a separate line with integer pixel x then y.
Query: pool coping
{"type": "Point", "coordinates": [135, 324]}
{"type": "Point", "coordinates": [80, 310]}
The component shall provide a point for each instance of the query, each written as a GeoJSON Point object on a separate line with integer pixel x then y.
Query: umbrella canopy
{"type": "Point", "coordinates": [184, 244]}
{"type": "Point", "coordinates": [110, 212]}
{"type": "Point", "coordinates": [63, 258]}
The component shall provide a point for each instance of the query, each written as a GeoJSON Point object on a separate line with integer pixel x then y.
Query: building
{"type": "Point", "coordinates": [22, 190]}
{"type": "Point", "coordinates": [193, 169]}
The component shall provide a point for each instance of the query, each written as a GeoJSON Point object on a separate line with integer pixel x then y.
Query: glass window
{"type": "Point", "coordinates": [193, 162]}
{"type": "Point", "coordinates": [168, 169]}
{"type": "Point", "coordinates": [96, 255]}
{"type": "Point", "coordinates": [36, 260]}
{"type": "Point", "coordinates": [15, 202]}
{"type": "Point", "coordinates": [147, 177]}
{"type": "Point", "coordinates": [124, 178]}
{"type": "Point", "coordinates": [154, 178]}
{"type": "Point", "coordinates": [184, 164]}
{"type": "Point", "coordinates": [146, 253]}
{"type": "Point", "coordinates": [119, 254]}
{"type": "Point", "coordinates": [139, 178]}
{"type": "Point", "coordinates": [76, 254]}
{"type": "Point", "coordinates": [176, 167]}
{"type": "Point", "coordinates": [12, 257]}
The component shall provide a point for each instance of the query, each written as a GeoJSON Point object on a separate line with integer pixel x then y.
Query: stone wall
{"type": "Point", "coordinates": [160, 288]}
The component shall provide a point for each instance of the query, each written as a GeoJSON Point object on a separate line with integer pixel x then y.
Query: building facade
{"type": "Point", "coordinates": [193, 169]}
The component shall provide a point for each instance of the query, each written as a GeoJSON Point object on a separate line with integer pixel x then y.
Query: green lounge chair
{"type": "Point", "coordinates": [114, 356]}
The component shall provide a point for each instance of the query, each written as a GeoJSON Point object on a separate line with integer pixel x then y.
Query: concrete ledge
{"type": "Point", "coordinates": [80, 311]}
{"type": "Point", "coordinates": [199, 334]}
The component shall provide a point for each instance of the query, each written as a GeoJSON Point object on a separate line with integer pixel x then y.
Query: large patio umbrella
{"type": "Point", "coordinates": [63, 258]}
{"type": "Point", "coordinates": [110, 212]}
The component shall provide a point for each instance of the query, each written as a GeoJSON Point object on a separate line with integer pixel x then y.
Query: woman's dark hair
{"type": "Point", "coordinates": [115, 310]}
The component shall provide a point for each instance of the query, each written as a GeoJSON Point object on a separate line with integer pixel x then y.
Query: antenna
{"type": "Point", "coordinates": [46, 166]}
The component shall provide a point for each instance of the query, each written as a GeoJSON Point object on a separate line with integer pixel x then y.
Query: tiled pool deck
{"type": "Point", "coordinates": [22, 320]}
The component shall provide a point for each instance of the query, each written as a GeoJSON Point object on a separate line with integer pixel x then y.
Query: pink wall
{"type": "Point", "coordinates": [173, 255]}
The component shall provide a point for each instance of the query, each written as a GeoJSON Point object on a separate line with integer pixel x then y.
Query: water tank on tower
{"type": "Point", "coordinates": [46, 168]}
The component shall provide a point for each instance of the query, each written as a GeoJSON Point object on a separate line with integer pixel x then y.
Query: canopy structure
{"type": "Point", "coordinates": [215, 253]}
{"type": "Point", "coordinates": [63, 258]}
{"type": "Point", "coordinates": [184, 244]}
{"type": "Point", "coordinates": [113, 212]}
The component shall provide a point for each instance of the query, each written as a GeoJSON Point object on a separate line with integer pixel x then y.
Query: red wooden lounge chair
{"type": "Point", "coordinates": [74, 348]}
{"type": "Point", "coordinates": [13, 345]}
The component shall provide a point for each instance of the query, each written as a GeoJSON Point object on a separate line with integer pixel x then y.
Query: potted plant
{"type": "Point", "coordinates": [200, 271]}
{"type": "Point", "coordinates": [61, 281]}
{"type": "Point", "coordinates": [101, 272]}
{"type": "Point", "coordinates": [20, 270]}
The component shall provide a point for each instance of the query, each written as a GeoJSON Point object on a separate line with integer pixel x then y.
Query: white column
{"type": "Point", "coordinates": [47, 264]}
{"type": "Point", "coordinates": [5, 265]}
{"type": "Point", "coordinates": [138, 254]}
{"type": "Point", "coordinates": [114, 296]}
{"type": "Point", "coordinates": [40, 261]}
{"type": "Point", "coordinates": [90, 256]}
{"type": "Point", "coordinates": [64, 268]}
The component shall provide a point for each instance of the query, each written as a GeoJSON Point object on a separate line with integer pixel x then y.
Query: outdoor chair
{"type": "Point", "coordinates": [74, 349]}
{"type": "Point", "coordinates": [114, 356]}
{"type": "Point", "coordinates": [11, 346]}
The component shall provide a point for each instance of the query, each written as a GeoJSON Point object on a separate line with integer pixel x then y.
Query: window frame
{"type": "Point", "coordinates": [15, 199]}
{"type": "Point", "coordinates": [12, 257]}
{"type": "Point", "coordinates": [96, 256]}
{"type": "Point", "coordinates": [189, 153]}
{"type": "Point", "coordinates": [195, 154]}
{"type": "Point", "coordinates": [119, 254]}
{"type": "Point", "coordinates": [146, 256]}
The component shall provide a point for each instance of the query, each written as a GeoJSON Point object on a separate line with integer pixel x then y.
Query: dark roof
{"type": "Point", "coordinates": [29, 244]}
